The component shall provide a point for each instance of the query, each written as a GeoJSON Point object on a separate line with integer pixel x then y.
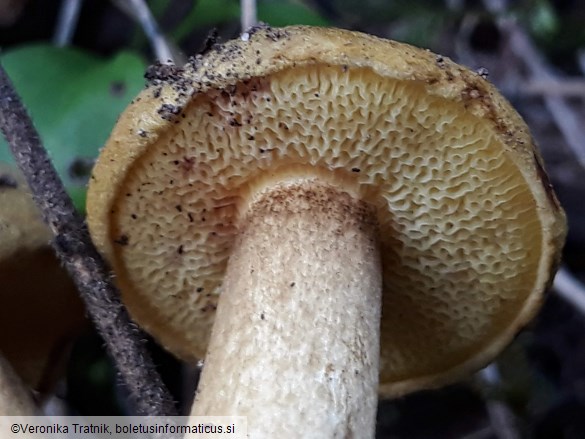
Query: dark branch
{"type": "Point", "coordinates": [77, 253]}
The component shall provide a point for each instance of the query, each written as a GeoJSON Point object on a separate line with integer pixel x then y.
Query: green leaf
{"type": "Point", "coordinates": [74, 100]}
{"type": "Point", "coordinates": [420, 30]}
{"type": "Point", "coordinates": [285, 13]}
{"type": "Point", "coordinates": [208, 13]}
{"type": "Point", "coordinates": [543, 20]}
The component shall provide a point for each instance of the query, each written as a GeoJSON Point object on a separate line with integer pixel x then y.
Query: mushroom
{"type": "Point", "coordinates": [15, 398]}
{"type": "Point", "coordinates": [302, 181]}
{"type": "Point", "coordinates": [41, 312]}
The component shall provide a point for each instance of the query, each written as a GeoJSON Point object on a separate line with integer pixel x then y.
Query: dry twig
{"type": "Point", "coordinates": [248, 15]}
{"type": "Point", "coordinates": [139, 11]}
{"type": "Point", "coordinates": [67, 22]}
{"type": "Point", "coordinates": [501, 417]}
{"type": "Point", "coordinates": [567, 88]}
{"type": "Point", "coordinates": [565, 119]}
{"type": "Point", "coordinates": [570, 289]}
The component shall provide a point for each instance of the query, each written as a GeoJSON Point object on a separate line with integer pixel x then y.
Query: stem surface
{"type": "Point", "coordinates": [295, 344]}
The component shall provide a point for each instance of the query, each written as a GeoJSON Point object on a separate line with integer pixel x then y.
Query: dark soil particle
{"type": "Point", "coordinates": [211, 42]}
{"type": "Point", "coordinates": [252, 30]}
{"type": "Point", "coordinates": [122, 240]}
{"type": "Point", "coordinates": [169, 112]}
{"type": "Point", "coordinates": [7, 181]}
{"type": "Point", "coordinates": [158, 73]}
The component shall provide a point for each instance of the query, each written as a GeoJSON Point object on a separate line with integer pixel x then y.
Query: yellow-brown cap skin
{"type": "Point", "coordinates": [470, 228]}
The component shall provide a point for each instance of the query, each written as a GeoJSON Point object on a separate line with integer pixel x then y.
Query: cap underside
{"type": "Point", "coordinates": [460, 237]}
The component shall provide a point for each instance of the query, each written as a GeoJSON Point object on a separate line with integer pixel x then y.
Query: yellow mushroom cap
{"type": "Point", "coordinates": [40, 311]}
{"type": "Point", "coordinates": [470, 229]}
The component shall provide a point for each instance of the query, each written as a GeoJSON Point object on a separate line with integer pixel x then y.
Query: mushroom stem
{"type": "Point", "coordinates": [15, 398]}
{"type": "Point", "coordinates": [295, 344]}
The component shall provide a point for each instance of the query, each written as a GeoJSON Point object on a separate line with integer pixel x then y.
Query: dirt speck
{"type": "Point", "coordinates": [7, 181]}
{"type": "Point", "coordinates": [123, 240]}
{"type": "Point", "coordinates": [117, 88]}
{"type": "Point", "coordinates": [169, 112]}
{"type": "Point", "coordinates": [160, 73]}
{"type": "Point", "coordinates": [211, 42]}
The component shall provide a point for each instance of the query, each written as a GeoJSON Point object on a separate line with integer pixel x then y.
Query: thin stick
{"type": "Point", "coordinates": [570, 289]}
{"type": "Point", "coordinates": [77, 253]}
{"type": "Point", "coordinates": [249, 14]}
{"type": "Point", "coordinates": [67, 22]}
{"type": "Point", "coordinates": [538, 69]}
{"type": "Point", "coordinates": [139, 11]}
{"type": "Point", "coordinates": [565, 88]}
{"type": "Point", "coordinates": [565, 119]}
{"type": "Point", "coordinates": [501, 417]}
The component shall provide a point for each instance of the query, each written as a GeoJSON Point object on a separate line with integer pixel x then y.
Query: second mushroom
{"type": "Point", "coordinates": [325, 216]}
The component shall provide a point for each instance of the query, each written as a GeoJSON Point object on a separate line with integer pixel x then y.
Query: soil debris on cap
{"type": "Point", "coordinates": [211, 42]}
{"type": "Point", "coordinates": [160, 73]}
